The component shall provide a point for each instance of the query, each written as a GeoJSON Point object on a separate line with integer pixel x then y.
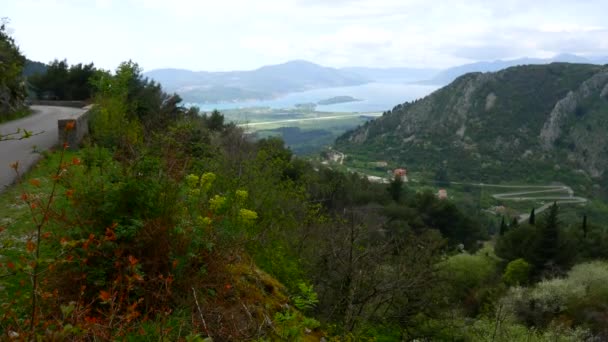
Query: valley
{"type": "Point", "coordinates": [510, 199]}
{"type": "Point", "coordinates": [421, 180]}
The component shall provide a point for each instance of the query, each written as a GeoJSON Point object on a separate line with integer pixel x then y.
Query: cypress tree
{"type": "Point", "coordinates": [532, 219]}
{"type": "Point", "coordinates": [503, 227]}
{"type": "Point", "coordinates": [548, 243]}
{"type": "Point", "coordinates": [585, 225]}
{"type": "Point", "coordinates": [514, 223]}
{"type": "Point", "coordinates": [395, 188]}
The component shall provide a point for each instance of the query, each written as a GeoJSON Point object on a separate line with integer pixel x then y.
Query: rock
{"type": "Point", "coordinates": [490, 101]}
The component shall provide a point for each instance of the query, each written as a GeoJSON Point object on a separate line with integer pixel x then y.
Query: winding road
{"type": "Point", "coordinates": [548, 194]}
{"type": "Point", "coordinates": [43, 123]}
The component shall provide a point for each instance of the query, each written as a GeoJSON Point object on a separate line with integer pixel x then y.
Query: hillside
{"type": "Point", "coordinates": [263, 83]}
{"type": "Point", "coordinates": [527, 123]}
{"type": "Point", "coordinates": [33, 67]}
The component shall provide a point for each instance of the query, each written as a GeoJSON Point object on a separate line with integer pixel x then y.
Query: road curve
{"type": "Point", "coordinates": [549, 193]}
{"type": "Point", "coordinates": [44, 119]}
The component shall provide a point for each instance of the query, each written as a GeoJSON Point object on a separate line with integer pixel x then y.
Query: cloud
{"type": "Point", "coordinates": [235, 34]}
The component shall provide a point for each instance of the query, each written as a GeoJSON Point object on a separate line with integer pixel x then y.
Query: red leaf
{"type": "Point", "coordinates": [132, 260]}
{"type": "Point", "coordinates": [110, 235]}
{"type": "Point", "coordinates": [105, 295]}
{"type": "Point", "coordinates": [30, 246]}
{"type": "Point", "coordinates": [70, 125]}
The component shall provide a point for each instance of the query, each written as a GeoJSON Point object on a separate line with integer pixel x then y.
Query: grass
{"type": "Point", "coordinates": [18, 226]}
{"type": "Point", "coordinates": [15, 115]}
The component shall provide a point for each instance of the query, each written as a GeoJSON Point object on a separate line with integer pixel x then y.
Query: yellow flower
{"type": "Point", "coordinates": [241, 196]}
{"type": "Point", "coordinates": [194, 192]}
{"type": "Point", "coordinates": [205, 221]}
{"type": "Point", "coordinates": [217, 202]}
{"type": "Point", "coordinates": [207, 180]}
{"type": "Point", "coordinates": [192, 180]}
{"type": "Point", "coordinates": [248, 216]}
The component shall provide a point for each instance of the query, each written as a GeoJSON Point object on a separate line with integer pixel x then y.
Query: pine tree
{"type": "Point", "coordinates": [532, 219]}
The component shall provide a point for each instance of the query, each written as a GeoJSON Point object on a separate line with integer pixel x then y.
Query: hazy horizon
{"type": "Point", "coordinates": [242, 35]}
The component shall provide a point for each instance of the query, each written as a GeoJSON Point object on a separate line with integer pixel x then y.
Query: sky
{"type": "Point", "coordinates": [220, 35]}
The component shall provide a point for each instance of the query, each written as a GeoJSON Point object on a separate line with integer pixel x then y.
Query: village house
{"type": "Point", "coordinates": [401, 173]}
{"type": "Point", "coordinates": [442, 194]}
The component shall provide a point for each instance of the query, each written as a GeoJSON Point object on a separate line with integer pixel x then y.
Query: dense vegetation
{"type": "Point", "coordinates": [12, 87]}
{"type": "Point", "coordinates": [58, 81]}
{"type": "Point", "coordinates": [169, 224]}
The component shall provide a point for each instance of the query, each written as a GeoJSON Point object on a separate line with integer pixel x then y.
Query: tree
{"type": "Point", "coordinates": [12, 87]}
{"type": "Point", "coordinates": [584, 226]}
{"type": "Point", "coordinates": [514, 223]}
{"type": "Point", "coordinates": [517, 272]}
{"type": "Point", "coordinates": [441, 177]}
{"type": "Point", "coordinates": [395, 188]}
{"type": "Point", "coordinates": [445, 216]}
{"type": "Point", "coordinates": [518, 243]}
{"type": "Point", "coordinates": [532, 219]}
{"type": "Point", "coordinates": [548, 241]}
{"type": "Point", "coordinates": [503, 227]}
{"type": "Point", "coordinates": [215, 121]}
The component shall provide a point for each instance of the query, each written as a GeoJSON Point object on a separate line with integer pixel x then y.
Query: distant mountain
{"type": "Point", "coordinates": [526, 124]}
{"type": "Point", "coordinates": [275, 80]}
{"type": "Point", "coordinates": [32, 68]}
{"type": "Point", "coordinates": [263, 83]}
{"type": "Point", "coordinates": [448, 75]}
{"type": "Point", "coordinates": [337, 99]}
{"type": "Point", "coordinates": [394, 74]}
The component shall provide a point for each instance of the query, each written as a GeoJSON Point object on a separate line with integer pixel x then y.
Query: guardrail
{"type": "Point", "coordinates": [59, 103]}
{"type": "Point", "coordinates": [80, 127]}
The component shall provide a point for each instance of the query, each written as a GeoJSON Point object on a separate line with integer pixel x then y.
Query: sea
{"type": "Point", "coordinates": [375, 97]}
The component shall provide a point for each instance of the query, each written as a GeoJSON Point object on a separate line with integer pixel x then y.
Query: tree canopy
{"type": "Point", "coordinates": [12, 88]}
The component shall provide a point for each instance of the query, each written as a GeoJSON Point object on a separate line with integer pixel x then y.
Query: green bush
{"type": "Point", "coordinates": [580, 298]}
{"type": "Point", "coordinates": [517, 272]}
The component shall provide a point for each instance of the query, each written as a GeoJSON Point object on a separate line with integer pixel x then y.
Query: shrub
{"type": "Point", "coordinates": [578, 298]}
{"type": "Point", "coordinates": [517, 272]}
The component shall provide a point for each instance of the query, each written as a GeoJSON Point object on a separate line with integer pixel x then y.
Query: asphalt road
{"type": "Point", "coordinates": [43, 120]}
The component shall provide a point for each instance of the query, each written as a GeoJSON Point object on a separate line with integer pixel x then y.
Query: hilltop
{"type": "Point", "coordinates": [527, 123]}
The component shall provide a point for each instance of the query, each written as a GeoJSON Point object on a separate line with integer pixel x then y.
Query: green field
{"type": "Point", "coordinates": [304, 130]}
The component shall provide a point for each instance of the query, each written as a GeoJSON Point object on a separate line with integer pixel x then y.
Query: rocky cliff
{"type": "Point", "coordinates": [521, 122]}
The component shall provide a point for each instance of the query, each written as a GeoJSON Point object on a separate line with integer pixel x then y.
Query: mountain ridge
{"type": "Point", "coordinates": [262, 83]}
{"type": "Point", "coordinates": [271, 81]}
{"type": "Point", "coordinates": [526, 122]}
